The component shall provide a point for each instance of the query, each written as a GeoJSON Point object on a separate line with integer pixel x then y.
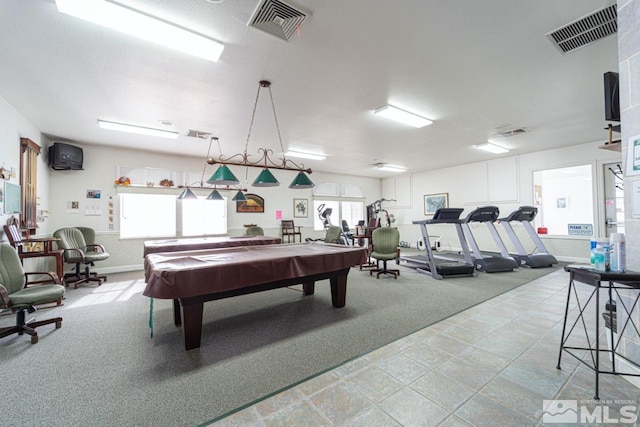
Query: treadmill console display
{"type": "Point", "coordinates": [447, 214]}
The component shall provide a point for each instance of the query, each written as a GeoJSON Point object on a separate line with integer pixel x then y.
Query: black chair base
{"type": "Point", "coordinates": [83, 278]}
{"type": "Point", "coordinates": [23, 327]}
{"type": "Point", "coordinates": [384, 270]}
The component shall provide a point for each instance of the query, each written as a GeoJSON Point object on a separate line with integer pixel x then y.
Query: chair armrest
{"type": "Point", "coordinates": [96, 246]}
{"type": "Point", "coordinates": [54, 276]}
{"type": "Point", "coordinates": [80, 251]}
{"type": "Point", "coordinates": [4, 297]}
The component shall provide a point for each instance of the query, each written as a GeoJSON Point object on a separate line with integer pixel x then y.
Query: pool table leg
{"type": "Point", "coordinates": [339, 290]}
{"type": "Point", "coordinates": [192, 324]}
{"type": "Point", "coordinates": [308, 288]}
{"type": "Point", "coordinates": [177, 317]}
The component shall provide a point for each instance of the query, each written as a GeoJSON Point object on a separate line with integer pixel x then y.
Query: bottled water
{"type": "Point", "coordinates": [618, 252]}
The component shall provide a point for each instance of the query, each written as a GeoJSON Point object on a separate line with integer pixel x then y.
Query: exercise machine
{"type": "Point", "coordinates": [376, 207]}
{"type": "Point", "coordinates": [325, 215]}
{"type": "Point", "coordinates": [437, 267]}
{"type": "Point", "coordinates": [486, 262]}
{"type": "Point", "coordinates": [525, 216]}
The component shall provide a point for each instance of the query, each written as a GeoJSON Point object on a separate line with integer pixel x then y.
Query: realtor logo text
{"type": "Point", "coordinates": [584, 411]}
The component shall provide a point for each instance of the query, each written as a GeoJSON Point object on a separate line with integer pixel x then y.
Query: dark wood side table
{"type": "Point", "coordinates": [611, 282]}
{"type": "Point", "coordinates": [47, 250]}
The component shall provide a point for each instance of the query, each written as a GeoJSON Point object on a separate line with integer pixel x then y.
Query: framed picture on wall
{"type": "Point", "coordinates": [253, 204]}
{"type": "Point", "coordinates": [433, 202]}
{"type": "Point", "coordinates": [300, 208]}
{"type": "Point", "coordinates": [562, 202]}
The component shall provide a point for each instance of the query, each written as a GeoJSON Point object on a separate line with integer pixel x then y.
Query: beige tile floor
{"type": "Point", "coordinates": [492, 365]}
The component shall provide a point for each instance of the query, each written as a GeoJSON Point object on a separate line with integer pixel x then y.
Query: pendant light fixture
{"type": "Point", "coordinates": [239, 197]}
{"type": "Point", "coordinates": [224, 176]}
{"type": "Point", "coordinates": [215, 195]}
{"type": "Point", "coordinates": [187, 194]}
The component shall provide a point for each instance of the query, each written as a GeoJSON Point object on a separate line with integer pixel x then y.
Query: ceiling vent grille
{"type": "Point", "coordinates": [198, 134]}
{"type": "Point", "coordinates": [595, 26]}
{"type": "Point", "coordinates": [277, 18]}
{"type": "Point", "coordinates": [512, 132]}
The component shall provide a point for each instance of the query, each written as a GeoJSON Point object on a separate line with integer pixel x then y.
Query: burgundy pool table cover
{"type": "Point", "coordinates": [198, 243]}
{"type": "Point", "coordinates": [193, 273]}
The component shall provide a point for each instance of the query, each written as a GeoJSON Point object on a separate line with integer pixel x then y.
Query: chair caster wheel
{"type": "Point", "coordinates": [34, 339]}
{"type": "Point", "coordinates": [59, 324]}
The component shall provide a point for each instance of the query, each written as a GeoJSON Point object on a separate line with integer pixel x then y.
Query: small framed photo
{"type": "Point", "coordinates": [93, 194]}
{"type": "Point", "coordinates": [300, 208]}
{"type": "Point", "coordinates": [562, 202]}
{"type": "Point", "coordinates": [433, 202]}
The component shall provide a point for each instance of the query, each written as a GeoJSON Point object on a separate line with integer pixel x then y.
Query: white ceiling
{"type": "Point", "coordinates": [474, 67]}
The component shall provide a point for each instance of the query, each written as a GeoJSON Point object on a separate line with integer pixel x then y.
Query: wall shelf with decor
{"type": "Point", "coordinates": [153, 177]}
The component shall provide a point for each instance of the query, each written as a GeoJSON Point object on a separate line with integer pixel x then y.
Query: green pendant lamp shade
{"type": "Point", "coordinates": [215, 195]}
{"type": "Point", "coordinates": [223, 176]}
{"type": "Point", "coordinates": [265, 179]}
{"type": "Point", "coordinates": [187, 194]}
{"type": "Point", "coordinates": [239, 197]}
{"type": "Point", "coordinates": [301, 181]}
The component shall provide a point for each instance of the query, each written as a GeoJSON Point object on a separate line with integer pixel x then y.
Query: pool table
{"type": "Point", "coordinates": [192, 278]}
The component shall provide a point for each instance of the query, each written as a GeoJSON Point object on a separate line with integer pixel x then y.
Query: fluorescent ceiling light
{"type": "Point", "coordinates": [302, 155]}
{"type": "Point", "coordinates": [137, 24]}
{"type": "Point", "coordinates": [393, 113]}
{"type": "Point", "coordinates": [492, 148]}
{"type": "Point", "coordinates": [137, 129]}
{"type": "Point", "coordinates": [389, 168]}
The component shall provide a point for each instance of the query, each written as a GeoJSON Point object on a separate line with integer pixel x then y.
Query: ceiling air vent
{"type": "Point", "coordinates": [586, 30]}
{"type": "Point", "coordinates": [277, 18]}
{"type": "Point", "coordinates": [512, 132]}
{"type": "Point", "coordinates": [198, 134]}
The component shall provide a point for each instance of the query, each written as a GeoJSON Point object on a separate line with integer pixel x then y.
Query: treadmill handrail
{"type": "Point", "coordinates": [438, 221]}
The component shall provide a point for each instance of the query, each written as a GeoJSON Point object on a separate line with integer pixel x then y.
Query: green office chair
{"type": "Point", "coordinates": [385, 248]}
{"type": "Point", "coordinates": [78, 251]}
{"type": "Point", "coordinates": [333, 234]}
{"type": "Point", "coordinates": [254, 231]}
{"type": "Point", "coordinates": [17, 298]}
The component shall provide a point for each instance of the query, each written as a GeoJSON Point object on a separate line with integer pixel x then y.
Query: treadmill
{"type": "Point", "coordinates": [525, 216]}
{"type": "Point", "coordinates": [489, 263]}
{"type": "Point", "coordinates": [436, 267]}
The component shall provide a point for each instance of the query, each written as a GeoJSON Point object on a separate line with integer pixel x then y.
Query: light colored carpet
{"type": "Point", "coordinates": [103, 369]}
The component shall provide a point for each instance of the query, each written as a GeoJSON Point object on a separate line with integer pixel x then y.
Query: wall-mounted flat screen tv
{"type": "Point", "coordinates": [65, 157]}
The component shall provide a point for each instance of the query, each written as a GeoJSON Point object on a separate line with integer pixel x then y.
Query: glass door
{"type": "Point", "coordinates": [613, 198]}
